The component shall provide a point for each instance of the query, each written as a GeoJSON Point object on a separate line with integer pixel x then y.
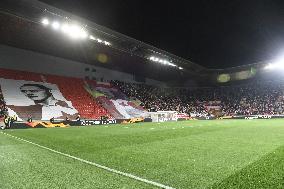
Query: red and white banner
{"type": "Point", "coordinates": [39, 100]}
{"type": "Point", "coordinates": [117, 103]}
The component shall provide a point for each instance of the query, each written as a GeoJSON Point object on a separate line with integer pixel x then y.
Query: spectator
{"type": "Point", "coordinates": [256, 98]}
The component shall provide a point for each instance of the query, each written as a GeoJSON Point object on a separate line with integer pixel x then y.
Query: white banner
{"type": "Point", "coordinates": [41, 101]}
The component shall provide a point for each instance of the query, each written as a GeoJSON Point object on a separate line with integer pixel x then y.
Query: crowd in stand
{"type": "Point", "coordinates": [257, 98]}
{"type": "Point", "coordinates": [3, 108]}
{"type": "Point", "coordinates": [162, 99]}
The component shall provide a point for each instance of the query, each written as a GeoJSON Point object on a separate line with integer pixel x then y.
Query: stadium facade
{"type": "Point", "coordinates": [81, 69]}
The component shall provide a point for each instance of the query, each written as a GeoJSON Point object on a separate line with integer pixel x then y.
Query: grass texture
{"type": "Point", "coordinates": [189, 154]}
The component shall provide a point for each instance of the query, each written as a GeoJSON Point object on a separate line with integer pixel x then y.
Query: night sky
{"type": "Point", "coordinates": [215, 34]}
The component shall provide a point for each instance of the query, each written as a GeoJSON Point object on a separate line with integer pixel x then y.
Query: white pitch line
{"type": "Point", "coordinates": [95, 164]}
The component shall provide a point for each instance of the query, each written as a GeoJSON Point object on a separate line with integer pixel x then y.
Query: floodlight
{"type": "Point", "coordinates": [269, 66]}
{"type": "Point", "coordinates": [74, 31]}
{"type": "Point", "coordinates": [107, 43]}
{"type": "Point", "coordinates": [45, 21]}
{"type": "Point", "coordinates": [162, 61]}
{"type": "Point", "coordinates": [83, 34]}
{"type": "Point", "coordinates": [278, 63]}
{"type": "Point", "coordinates": [77, 32]}
{"type": "Point", "coordinates": [180, 68]}
{"type": "Point", "coordinates": [92, 37]}
{"type": "Point", "coordinates": [65, 28]}
{"type": "Point", "coordinates": [55, 25]}
{"type": "Point", "coordinates": [99, 40]}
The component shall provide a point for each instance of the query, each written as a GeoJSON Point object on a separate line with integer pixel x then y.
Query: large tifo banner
{"type": "Point", "coordinates": [41, 101]}
{"type": "Point", "coordinates": [117, 103]}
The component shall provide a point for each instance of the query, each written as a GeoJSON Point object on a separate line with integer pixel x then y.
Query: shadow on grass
{"type": "Point", "coordinates": [268, 172]}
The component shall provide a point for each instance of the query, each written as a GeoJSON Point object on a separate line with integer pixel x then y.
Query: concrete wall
{"type": "Point", "coordinates": [24, 60]}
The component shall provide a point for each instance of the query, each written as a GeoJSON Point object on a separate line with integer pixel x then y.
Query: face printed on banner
{"type": "Point", "coordinates": [36, 100]}
{"type": "Point", "coordinates": [36, 92]}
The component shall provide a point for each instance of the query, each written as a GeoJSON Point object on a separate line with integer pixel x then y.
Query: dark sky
{"type": "Point", "coordinates": [212, 33]}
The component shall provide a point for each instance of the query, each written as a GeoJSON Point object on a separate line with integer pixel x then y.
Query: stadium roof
{"type": "Point", "coordinates": [32, 11]}
{"type": "Point", "coordinates": [22, 28]}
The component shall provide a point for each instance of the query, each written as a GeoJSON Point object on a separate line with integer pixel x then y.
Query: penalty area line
{"type": "Point", "coordinates": [93, 163]}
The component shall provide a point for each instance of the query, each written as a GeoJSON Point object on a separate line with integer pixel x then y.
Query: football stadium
{"type": "Point", "coordinates": [84, 106]}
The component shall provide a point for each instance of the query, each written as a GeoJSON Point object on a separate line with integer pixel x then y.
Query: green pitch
{"type": "Point", "coordinates": [190, 154]}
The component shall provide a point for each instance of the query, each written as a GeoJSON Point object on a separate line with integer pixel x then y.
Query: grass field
{"type": "Point", "coordinates": [190, 154]}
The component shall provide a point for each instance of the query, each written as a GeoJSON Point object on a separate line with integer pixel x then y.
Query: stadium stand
{"type": "Point", "coordinates": [19, 75]}
{"type": "Point", "coordinates": [254, 98]}
{"type": "Point", "coordinates": [94, 99]}
{"type": "Point", "coordinates": [257, 98]}
{"type": "Point", "coordinates": [163, 99]}
{"type": "Point", "coordinates": [71, 88]}
{"type": "Point", "coordinates": [3, 108]}
{"type": "Point", "coordinates": [119, 105]}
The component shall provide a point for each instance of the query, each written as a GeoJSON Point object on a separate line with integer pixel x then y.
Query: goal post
{"type": "Point", "coordinates": [163, 116]}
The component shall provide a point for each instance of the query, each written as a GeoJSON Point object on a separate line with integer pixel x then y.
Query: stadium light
{"type": "Point", "coordinates": [277, 65]}
{"type": "Point", "coordinates": [270, 66]}
{"type": "Point", "coordinates": [83, 34]}
{"type": "Point", "coordinates": [171, 64]}
{"type": "Point", "coordinates": [92, 37]}
{"type": "Point", "coordinates": [65, 28]}
{"type": "Point", "coordinates": [73, 31]}
{"type": "Point", "coordinates": [45, 21]}
{"type": "Point", "coordinates": [55, 25]}
{"type": "Point", "coordinates": [107, 43]}
{"type": "Point", "coordinates": [162, 61]}
{"type": "Point", "coordinates": [99, 40]}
